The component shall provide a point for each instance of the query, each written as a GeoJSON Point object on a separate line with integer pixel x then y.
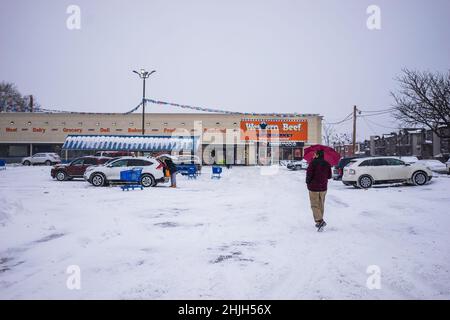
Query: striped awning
{"type": "Point", "coordinates": [128, 143]}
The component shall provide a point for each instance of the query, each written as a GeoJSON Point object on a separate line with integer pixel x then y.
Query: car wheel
{"type": "Point", "coordinates": [419, 178]}
{"type": "Point", "coordinates": [27, 163]}
{"type": "Point", "coordinates": [98, 180]}
{"type": "Point", "coordinates": [61, 176]}
{"type": "Point", "coordinates": [365, 182]}
{"type": "Point", "coordinates": [147, 180]}
{"type": "Point", "coordinates": [48, 163]}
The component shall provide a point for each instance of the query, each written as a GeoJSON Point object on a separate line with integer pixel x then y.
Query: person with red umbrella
{"type": "Point", "coordinates": [317, 175]}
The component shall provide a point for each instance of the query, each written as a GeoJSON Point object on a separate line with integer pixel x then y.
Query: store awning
{"type": "Point", "coordinates": [129, 143]}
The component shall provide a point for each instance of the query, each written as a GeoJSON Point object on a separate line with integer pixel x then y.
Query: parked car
{"type": "Point", "coordinates": [434, 165]}
{"type": "Point", "coordinates": [76, 168]}
{"type": "Point", "coordinates": [338, 170]}
{"type": "Point", "coordinates": [152, 171]}
{"type": "Point", "coordinates": [297, 165]}
{"type": "Point", "coordinates": [365, 172]}
{"type": "Point", "coordinates": [47, 158]}
{"type": "Point", "coordinates": [448, 166]}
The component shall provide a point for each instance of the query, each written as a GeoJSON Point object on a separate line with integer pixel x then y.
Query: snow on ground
{"type": "Point", "coordinates": [246, 236]}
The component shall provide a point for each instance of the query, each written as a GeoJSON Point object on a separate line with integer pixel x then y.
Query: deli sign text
{"type": "Point", "coordinates": [284, 130]}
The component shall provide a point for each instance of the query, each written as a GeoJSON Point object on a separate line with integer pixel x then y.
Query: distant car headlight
{"type": "Point", "coordinates": [351, 171]}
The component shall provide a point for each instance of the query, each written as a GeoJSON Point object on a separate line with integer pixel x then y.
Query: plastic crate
{"type": "Point", "coordinates": [132, 175]}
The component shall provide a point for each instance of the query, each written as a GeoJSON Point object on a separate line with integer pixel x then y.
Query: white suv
{"type": "Point", "coordinates": [365, 172]}
{"type": "Point", "coordinates": [47, 158]}
{"type": "Point", "coordinates": [152, 171]}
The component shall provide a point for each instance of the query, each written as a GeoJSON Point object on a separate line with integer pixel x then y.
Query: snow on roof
{"type": "Point", "coordinates": [127, 143]}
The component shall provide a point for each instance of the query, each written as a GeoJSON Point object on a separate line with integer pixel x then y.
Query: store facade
{"type": "Point", "coordinates": [223, 138]}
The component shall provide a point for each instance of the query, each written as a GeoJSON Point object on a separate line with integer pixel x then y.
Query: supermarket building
{"type": "Point", "coordinates": [218, 138]}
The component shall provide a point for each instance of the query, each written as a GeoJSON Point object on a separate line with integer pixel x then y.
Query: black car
{"type": "Point", "coordinates": [338, 170]}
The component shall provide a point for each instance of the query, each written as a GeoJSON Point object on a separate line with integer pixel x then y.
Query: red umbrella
{"type": "Point", "coordinates": [330, 155]}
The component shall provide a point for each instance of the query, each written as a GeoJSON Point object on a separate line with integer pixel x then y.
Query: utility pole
{"type": "Point", "coordinates": [354, 130]}
{"type": "Point", "coordinates": [143, 75]}
{"type": "Point", "coordinates": [31, 103]}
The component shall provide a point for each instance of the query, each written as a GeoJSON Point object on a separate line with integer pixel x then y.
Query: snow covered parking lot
{"type": "Point", "coordinates": [245, 236]}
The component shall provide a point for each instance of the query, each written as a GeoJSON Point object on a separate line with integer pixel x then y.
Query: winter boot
{"type": "Point", "coordinates": [321, 225]}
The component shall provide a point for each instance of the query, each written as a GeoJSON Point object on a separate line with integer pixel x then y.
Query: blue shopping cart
{"type": "Point", "coordinates": [192, 172]}
{"type": "Point", "coordinates": [131, 178]}
{"type": "Point", "coordinates": [216, 171]}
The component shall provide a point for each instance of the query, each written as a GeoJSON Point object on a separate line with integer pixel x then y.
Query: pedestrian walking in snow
{"type": "Point", "coordinates": [173, 172]}
{"type": "Point", "coordinates": [317, 175]}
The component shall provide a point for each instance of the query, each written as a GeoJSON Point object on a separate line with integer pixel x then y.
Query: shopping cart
{"type": "Point", "coordinates": [131, 178]}
{"type": "Point", "coordinates": [216, 171]}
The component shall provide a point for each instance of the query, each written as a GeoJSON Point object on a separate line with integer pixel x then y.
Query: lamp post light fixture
{"type": "Point", "coordinates": [143, 74]}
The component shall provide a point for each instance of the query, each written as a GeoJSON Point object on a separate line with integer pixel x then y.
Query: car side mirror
{"type": "Point", "coordinates": [407, 164]}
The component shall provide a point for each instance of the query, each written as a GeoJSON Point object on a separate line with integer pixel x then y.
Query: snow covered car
{"type": "Point", "coordinates": [297, 165]}
{"type": "Point", "coordinates": [47, 158]}
{"type": "Point", "coordinates": [76, 168]}
{"type": "Point", "coordinates": [365, 172]}
{"type": "Point", "coordinates": [434, 165]}
{"type": "Point", "coordinates": [448, 166]}
{"type": "Point", "coordinates": [152, 171]}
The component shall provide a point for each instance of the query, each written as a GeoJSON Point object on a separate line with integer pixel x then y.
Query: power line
{"type": "Point", "coordinates": [347, 118]}
{"type": "Point", "coordinates": [380, 125]}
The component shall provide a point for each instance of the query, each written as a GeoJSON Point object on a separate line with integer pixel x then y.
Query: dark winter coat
{"type": "Point", "coordinates": [171, 166]}
{"type": "Point", "coordinates": [317, 175]}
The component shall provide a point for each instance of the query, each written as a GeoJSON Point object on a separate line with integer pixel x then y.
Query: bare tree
{"type": "Point", "coordinates": [341, 139]}
{"type": "Point", "coordinates": [328, 132]}
{"type": "Point", "coordinates": [423, 100]}
{"type": "Point", "coordinates": [12, 100]}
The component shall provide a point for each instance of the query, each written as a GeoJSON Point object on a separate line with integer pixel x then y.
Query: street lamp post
{"type": "Point", "coordinates": [143, 75]}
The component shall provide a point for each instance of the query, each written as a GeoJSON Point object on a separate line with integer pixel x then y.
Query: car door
{"type": "Point", "coordinates": [113, 170]}
{"type": "Point", "coordinates": [398, 170]}
{"type": "Point", "coordinates": [38, 158]}
{"type": "Point", "coordinates": [379, 169]}
{"type": "Point", "coordinates": [76, 168]}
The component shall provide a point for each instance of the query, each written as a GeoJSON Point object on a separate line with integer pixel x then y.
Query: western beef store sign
{"type": "Point", "coordinates": [283, 138]}
{"type": "Point", "coordinates": [273, 130]}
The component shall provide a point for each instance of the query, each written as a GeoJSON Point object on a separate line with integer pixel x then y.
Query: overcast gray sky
{"type": "Point", "coordinates": [262, 56]}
